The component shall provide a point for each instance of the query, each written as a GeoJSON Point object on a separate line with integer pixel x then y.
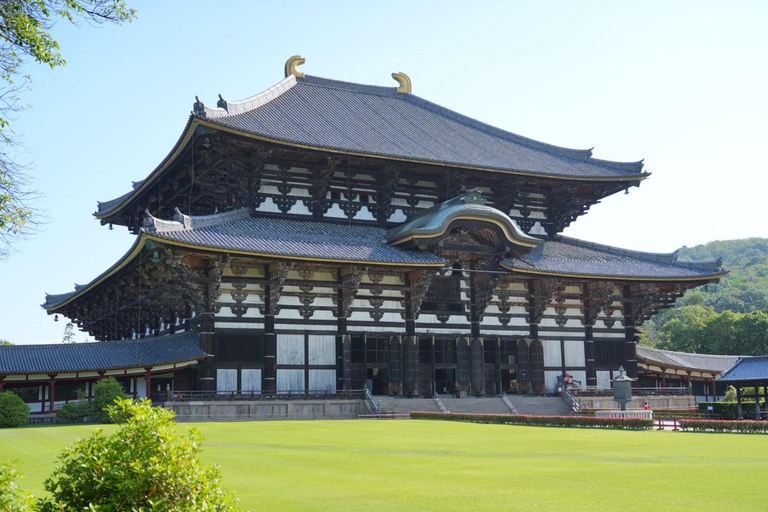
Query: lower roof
{"type": "Point", "coordinates": [239, 233]}
{"type": "Point", "coordinates": [684, 360]}
{"type": "Point", "coordinates": [569, 257]}
{"type": "Point", "coordinates": [106, 355]}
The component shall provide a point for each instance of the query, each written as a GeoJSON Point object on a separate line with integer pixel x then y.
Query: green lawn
{"type": "Point", "coordinates": [422, 465]}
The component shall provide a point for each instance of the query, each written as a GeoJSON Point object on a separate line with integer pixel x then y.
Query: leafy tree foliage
{"type": "Point", "coordinates": [12, 499]}
{"type": "Point", "coordinates": [13, 411]}
{"type": "Point", "coordinates": [5, 342]}
{"type": "Point", "coordinates": [145, 465]}
{"type": "Point", "coordinates": [105, 393]}
{"type": "Point", "coordinates": [25, 33]}
{"type": "Point", "coordinates": [730, 317]}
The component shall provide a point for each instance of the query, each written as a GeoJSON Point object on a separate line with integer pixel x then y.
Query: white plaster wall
{"type": "Point", "coordinates": [290, 349]}
{"type": "Point", "coordinates": [322, 350]}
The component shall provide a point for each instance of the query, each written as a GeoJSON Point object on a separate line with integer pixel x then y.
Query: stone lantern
{"type": "Point", "coordinates": [622, 388]}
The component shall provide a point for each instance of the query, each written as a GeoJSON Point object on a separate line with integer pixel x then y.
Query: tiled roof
{"type": "Point", "coordinates": [748, 369]}
{"type": "Point", "coordinates": [570, 257]}
{"type": "Point", "coordinates": [238, 231]}
{"type": "Point", "coordinates": [288, 239]}
{"type": "Point", "coordinates": [379, 121]}
{"type": "Point", "coordinates": [108, 355]}
{"type": "Point", "coordinates": [701, 362]}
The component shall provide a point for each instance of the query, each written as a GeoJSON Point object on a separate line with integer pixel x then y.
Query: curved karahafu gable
{"type": "Point", "coordinates": [493, 226]}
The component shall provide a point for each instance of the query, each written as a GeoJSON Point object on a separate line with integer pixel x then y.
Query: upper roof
{"type": "Point", "coordinates": [385, 122]}
{"type": "Point", "coordinates": [380, 121]}
{"type": "Point", "coordinates": [569, 257]}
{"type": "Point", "coordinates": [107, 355]}
{"type": "Point", "coordinates": [701, 362]}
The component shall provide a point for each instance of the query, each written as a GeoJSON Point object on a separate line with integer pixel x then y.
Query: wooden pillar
{"type": "Point", "coordinates": [630, 333]}
{"type": "Point", "coordinates": [270, 342]}
{"type": "Point", "coordinates": [411, 370]}
{"type": "Point", "coordinates": [739, 414]}
{"type": "Point", "coordinates": [148, 378]}
{"type": "Point", "coordinates": [476, 364]}
{"type": "Point", "coordinates": [206, 371]}
{"type": "Point", "coordinates": [341, 328]}
{"type": "Point", "coordinates": [2, 383]}
{"type": "Point", "coordinates": [757, 401]}
{"type": "Point", "coordinates": [588, 319]}
{"type": "Point", "coordinates": [663, 377]}
{"type": "Point", "coordinates": [52, 390]}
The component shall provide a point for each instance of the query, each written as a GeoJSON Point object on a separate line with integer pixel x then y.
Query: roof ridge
{"type": "Point", "coordinates": [686, 353]}
{"type": "Point", "coordinates": [183, 222]}
{"type": "Point", "coordinates": [231, 108]}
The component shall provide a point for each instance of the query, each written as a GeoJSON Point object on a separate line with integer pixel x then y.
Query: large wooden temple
{"type": "Point", "coordinates": [325, 235]}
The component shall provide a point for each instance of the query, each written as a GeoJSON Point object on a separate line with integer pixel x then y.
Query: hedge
{"type": "Point", "coordinates": [539, 421]}
{"type": "Point", "coordinates": [743, 426]}
{"type": "Point", "coordinates": [729, 410]}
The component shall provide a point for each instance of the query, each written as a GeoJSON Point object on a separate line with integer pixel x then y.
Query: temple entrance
{"type": "Point", "coordinates": [445, 380]}
{"type": "Point", "coordinates": [377, 381]}
{"type": "Point", "coordinates": [509, 381]}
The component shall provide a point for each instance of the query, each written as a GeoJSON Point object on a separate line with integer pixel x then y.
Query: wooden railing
{"type": "Point", "coordinates": [200, 396]}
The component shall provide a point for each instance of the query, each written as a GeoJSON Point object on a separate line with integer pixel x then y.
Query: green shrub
{"type": "Point", "coordinates": [145, 465]}
{"type": "Point", "coordinates": [13, 411]}
{"type": "Point", "coordinates": [730, 410]}
{"type": "Point", "coordinates": [12, 499]}
{"type": "Point", "coordinates": [105, 392]}
{"type": "Point", "coordinates": [75, 411]}
{"type": "Point", "coordinates": [540, 421]}
{"type": "Point", "coordinates": [743, 426]}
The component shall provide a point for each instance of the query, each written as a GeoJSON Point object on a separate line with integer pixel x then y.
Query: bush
{"type": "Point", "coordinates": [730, 410]}
{"type": "Point", "coordinates": [11, 497]}
{"type": "Point", "coordinates": [75, 411]}
{"type": "Point", "coordinates": [13, 411]}
{"type": "Point", "coordinates": [743, 426]}
{"type": "Point", "coordinates": [540, 421]}
{"type": "Point", "coordinates": [145, 465]}
{"type": "Point", "coordinates": [105, 392]}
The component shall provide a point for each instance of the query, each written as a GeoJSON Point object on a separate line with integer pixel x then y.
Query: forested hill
{"type": "Point", "coordinates": [730, 317]}
{"type": "Point", "coordinates": [746, 287]}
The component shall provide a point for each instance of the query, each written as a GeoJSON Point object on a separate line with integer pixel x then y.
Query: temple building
{"type": "Point", "coordinates": [325, 235]}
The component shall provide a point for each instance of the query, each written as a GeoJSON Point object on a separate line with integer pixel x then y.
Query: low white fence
{"type": "Point", "coordinates": [636, 414]}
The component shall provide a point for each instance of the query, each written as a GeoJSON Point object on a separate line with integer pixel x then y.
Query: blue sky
{"type": "Point", "coordinates": [679, 84]}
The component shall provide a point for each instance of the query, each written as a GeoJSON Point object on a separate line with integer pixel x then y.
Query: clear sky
{"type": "Point", "coordinates": [683, 85]}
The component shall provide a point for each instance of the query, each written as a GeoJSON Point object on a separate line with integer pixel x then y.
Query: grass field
{"type": "Point", "coordinates": [441, 466]}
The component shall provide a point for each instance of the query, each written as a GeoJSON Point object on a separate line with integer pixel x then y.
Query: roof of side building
{"type": "Point", "coordinates": [107, 355]}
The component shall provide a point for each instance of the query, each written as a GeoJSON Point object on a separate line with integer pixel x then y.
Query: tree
{"type": "Point", "coordinates": [12, 499]}
{"type": "Point", "coordinates": [5, 342]}
{"type": "Point", "coordinates": [145, 465]}
{"type": "Point", "coordinates": [105, 393]}
{"type": "Point", "coordinates": [25, 33]}
{"type": "Point", "coordinates": [13, 411]}
{"type": "Point", "coordinates": [69, 333]}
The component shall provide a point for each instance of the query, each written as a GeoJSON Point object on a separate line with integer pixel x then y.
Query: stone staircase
{"type": "Point", "coordinates": [402, 405]}
{"type": "Point", "coordinates": [547, 406]}
{"type": "Point", "coordinates": [541, 406]}
{"type": "Point", "coordinates": [484, 405]}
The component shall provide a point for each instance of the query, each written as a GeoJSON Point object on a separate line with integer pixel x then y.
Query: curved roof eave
{"type": "Point", "coordinates": [608, 277]}
{"type": "Point", "coordinates": [194, 122]}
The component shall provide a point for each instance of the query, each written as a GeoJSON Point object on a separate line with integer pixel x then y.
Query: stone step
{"type": "Point", "coordinates": [540, 406]}
{"type": "Point", "coordinates": [406, 405]}
{"type": "Point", "coordinates": [490, 405]}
